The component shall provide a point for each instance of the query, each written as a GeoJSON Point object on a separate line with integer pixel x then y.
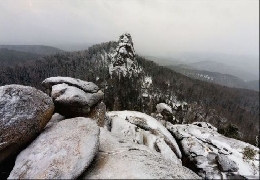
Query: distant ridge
{"type": "Point", "coordinates": [215, 77]}
{"type": "Point", "coordinates": [10, 57]}
{"type": "Point", "coordinates": [35, 49]}
{"type": "Point", "coordinates": [221, 63]}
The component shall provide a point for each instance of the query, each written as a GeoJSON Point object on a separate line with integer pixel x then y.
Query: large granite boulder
{"type": "Point", "coordinates": [24, 112]}
{"type": "Point", "coordinates": [119, 158]}
{"type": "Point", "coordinates": [72, 102]}
{"type": "Point", "coordinates": [148, 123]}
{"type": "Point", "coordinates": [63, 151]}
{"type": "Point", "coordinates": [214, 156]}
{"type": "Point", "coordinates": [73, 97]}
{"type": "Point", "coordinates": [133, 133]}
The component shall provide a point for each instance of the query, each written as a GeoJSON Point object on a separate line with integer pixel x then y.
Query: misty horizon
{"type": "Point", "coordinates": [157, 27]}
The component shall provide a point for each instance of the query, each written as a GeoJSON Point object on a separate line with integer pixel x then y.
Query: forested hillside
{"type": "Point", "coordinates": [222, 106]}
{"type": "Point", "coordinates": [11, 57]}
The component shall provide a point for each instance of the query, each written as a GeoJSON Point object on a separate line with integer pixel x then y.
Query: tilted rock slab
{"type": "Point", "coordinates": [63, 151]}
{"type": "Point", "coordinates": [119, 158]}
{"type": "Point", "coordinates": [24, 112]}
{"type": "Point", "coordinates": [214, 155]}
{"type": "Point", "coordinates": [83, 85]}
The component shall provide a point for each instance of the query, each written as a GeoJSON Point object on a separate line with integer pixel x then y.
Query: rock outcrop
{"type": "Point", "coordinates": [24, 112]}
{"type": "Point", "coordinates": [144, 130]}
{"type": "Point", "coordinates": [119, 158]}
{"type": "Point", "coordinates": [73, 97]}
{"type": "Point", "coordinates": [214, 156]}
{"type": "Point", "coordinates": [123, 59]}
{"type": "Point", "coordinates": [63, 151]}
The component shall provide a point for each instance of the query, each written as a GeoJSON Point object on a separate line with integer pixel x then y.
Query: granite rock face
{"type": "Point", "coordinates": [62, 151]}
{"type": "Point", "coordinates": [123, 61]}
{"type": "Point", "coordinates": [214, 156]}
{"type": "Point", "coordinates": [119, 158]}
{"type": "Point", "coordinates": [24, 112]}
{"type": "Point", "coordinates": [143, 122]}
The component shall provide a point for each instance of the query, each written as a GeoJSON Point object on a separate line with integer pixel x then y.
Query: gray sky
{"type": "Point", "coordinates": [157, 27]}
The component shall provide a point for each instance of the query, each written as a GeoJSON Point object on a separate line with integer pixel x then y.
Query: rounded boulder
{"type": "Point", "coordinates": [24, 112]}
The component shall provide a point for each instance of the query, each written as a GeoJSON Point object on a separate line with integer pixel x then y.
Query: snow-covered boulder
{"type": "Point", "coordinates": [83, 85]}
{"type": "Point", "coordinates": [166, 111]}
{"type": "Point", "coordinates": [147, 123]}
{"type": "Point", "coordinates": [213, 155]}
{"type": "Point", "coordinates": [63, 151]}
{"type": "Point", "coordinates": [135, 134]}
{"type": "Point", "coordinates": [119, 158]}
{"type": "Point", "coordinates": [73, 97]}
{"type": "Point", "coordinates": [24, 112]}
{"type": "Point", "coordinates": [162, 106]}
{"type": "Point", "coordinates": [71, 101]}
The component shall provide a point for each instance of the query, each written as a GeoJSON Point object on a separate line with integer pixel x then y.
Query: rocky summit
{"type": "Point", "coordinates": [123, 58]}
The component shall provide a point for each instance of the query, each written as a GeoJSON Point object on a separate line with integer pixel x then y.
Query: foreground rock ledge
{"type": "Point", "coordinates": [24, 112]}
{"type": "Point", "coordinates": [213, 155]}
{"type": "Point", "coordinates": [120, 158]}
{"type": "Point", "coordinates": [63, 151]}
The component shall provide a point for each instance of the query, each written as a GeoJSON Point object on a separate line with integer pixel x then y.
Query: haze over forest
{"type": "Point", "coordinates": [159, 28]}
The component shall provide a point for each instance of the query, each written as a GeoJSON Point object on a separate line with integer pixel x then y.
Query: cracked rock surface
{"type": "Point", "coordinates": [212, 155]}
{"type": "Point", "coordinates": [119, 158]}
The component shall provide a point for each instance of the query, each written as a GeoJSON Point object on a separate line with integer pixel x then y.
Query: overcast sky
{"type": "Point", "coordinates": [157, 27]}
